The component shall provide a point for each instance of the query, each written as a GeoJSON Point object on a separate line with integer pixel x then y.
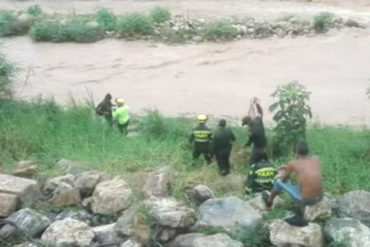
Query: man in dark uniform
{"type": "Point", "coordinates": [257, 135]}
{"type": "Point", "coordinates": [261, 175]}
{"type": "Point", "coordinates": [105, 109]}
{"type": "Point", "coordinates": [222, 145]}
{"type": "Point", "coordinates": [201, 135]}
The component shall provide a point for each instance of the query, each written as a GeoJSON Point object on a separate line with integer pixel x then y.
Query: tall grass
{"type": "Point", "coordinates": [7, 70]}
{"type": "Point", "coordinates": [134, 24]}
{"type": "Point", "coordinates": [323, 21]}
{"type": "Point", "coordinates": [219, 30]}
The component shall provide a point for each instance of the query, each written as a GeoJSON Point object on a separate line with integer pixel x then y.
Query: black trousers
{"type": "Point", "coordinates": [223, 161]}
{"type": "Point", "coordinates": [253, 157]}
{"type": "Point", "coordinates": [202, 148]}
{"type": "Point", "coordinates": [123, 128]}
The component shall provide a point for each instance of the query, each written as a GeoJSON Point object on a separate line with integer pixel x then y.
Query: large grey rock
{"type": "Point", "coordinates": [349, 231]}
{"type": "Point", "coordinates": [77, 214]}
{"type": "Point", "coordinates": [258, 203]}
{"type": "Point", "coordinates": [355, 204]}
{"type": "Point", "coordinates": [65, 195]}
{"type": "Point", "coordinates": [284, 235]}
{"type": "Point", "coordinates": [322, 210]}
{"type": "Point", "coordinates": [52, 184]}
{"type": "Point", "coordinates": [202, 193]}
{"type": "Point", "coordinates": [157, 184]}
{"type": "Point", "coordinates": [26, 189]}
{"type": "Point", "coordinates": [28, 221]}
{"type": "Point", "coordinates": [201, 240]}
{"type": "Point", "coordinates": [86, 182]}
{"type": "Point", "coordinates": [107, 235]}
{"type": "Point", "coordinates": [131, 243]}
{"type": "Point", "coordinates": [25, 168]}
{"type": "Point", "coordinates": [116, 191]}
{"type": "Point", "coordinates": [166, 234]}
{"type": "Point", "coordinates": [69, 232]}
{"type": "Point", "coordinates": [230, 214]}
{"type": "Point", "coordinates": [169, 212]}
{"type": "Point", "coordinates": [8, 204]}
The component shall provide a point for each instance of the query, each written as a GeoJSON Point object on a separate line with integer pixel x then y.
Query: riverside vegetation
{"type": "Point", "coordinates": [159, 25]}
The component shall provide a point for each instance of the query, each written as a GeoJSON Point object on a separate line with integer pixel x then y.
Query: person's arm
{"type": "Point", "coordinates": [259, 109]}
{"type": "Point", "coordinates": [250, 180]}
{"type": "Point", "coordinates": [285, 172]}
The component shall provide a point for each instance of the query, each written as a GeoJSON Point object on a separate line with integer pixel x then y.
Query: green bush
{"type": "Point", "coordinates": [106, 19]}
{"type": "Point", "coordinates": [34, 10]}
{"type": "Point", "coordinates": [323, 21]}
{"type": "Point", "coordinates": [134, 24]}
{"type": "Point", "coordinates": [6, 75]}
{"type": "Point", "coordinates": [45, 30]}
{"type": "Point", "coordinates": [7, 21]}
{"type": "Point", "coordinates": [159, 15]}
{"type": "Point", "coordinates": [219, 30]}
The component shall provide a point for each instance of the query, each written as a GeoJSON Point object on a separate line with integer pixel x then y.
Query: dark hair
{"type": "Point", "coordinates": [302, 148]}
{"type": "Point", "coordinates": [222, 123]}
{"type": "Point", "coordinates": [108, 96]}
{"type": "Point", "coordinates": [246, 120]}
{"type": "Point", "coordinates": [260, 155]}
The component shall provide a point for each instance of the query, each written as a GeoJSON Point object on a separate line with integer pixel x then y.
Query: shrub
{"type": "Point", "coordinates": [134, 24]}
{"type": "Point", "coordinates": [34, 10]}
{"type": "Point", "coordinates": [6, 75]}
{"type": "Point", "coordinates": [291, 111]}
{"type": "Point", "coordinates": [323, 21]}
{"type": "Point", "coordinates": [219, 30]}
{"type": "Point", "coordinates": [106, 19]}
{"type": "Point", "coordinates": [44, 30]}
{"type": "Point", "coordinates": [7, 21]}
{"type": "Point", "coordinates": [160, 15]}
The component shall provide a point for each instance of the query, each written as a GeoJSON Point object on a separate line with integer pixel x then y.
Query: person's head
{"type": "Point", "coordinates": [108, 97]}
{"type": "Point", "coordinates": [120, 102]}
{"type": "Point", "coordinates": [247, 120]}
{"type": "Point", "coordinates": [202, 119]}
{"type": "Point", "coordinates": [222, 123]}
{"type": "Point", "coordinates": [261, 155]}
{"type": "Point", "coordinates": [302, 148]}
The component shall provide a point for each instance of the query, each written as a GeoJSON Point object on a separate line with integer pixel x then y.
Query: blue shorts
{"type": "Point", "coordinates": [294, 192]}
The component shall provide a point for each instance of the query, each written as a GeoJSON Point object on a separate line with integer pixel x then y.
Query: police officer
{"type": "Point", "coordinates": [201, 135]}
{"type": "Point", "coordinates": [222, 145]}
{"type": "Point", "coordinates": [261, 175]}
{"type": "Point", "coordinates": [122, 116]}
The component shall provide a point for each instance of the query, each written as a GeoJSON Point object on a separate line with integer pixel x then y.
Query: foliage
{"type": "Point", "coordinates": [159, 15]}
{"type": "Point", "coordinates": [106, 19]}
{"type": "Point", "coordinates": [323, 21]}
{"type": "Point", "coordinates": [134, 24]}
{"type": "Point", "coordinates": [219, 30]}
{"type": "Point", "coordinates": [291, 111]}
{"type": "Point", "coordinates": [34, 10]}
{"type": "Point", "coordinates": [6, 75]}
{"type": "Point", "coordinates": [7, 21]}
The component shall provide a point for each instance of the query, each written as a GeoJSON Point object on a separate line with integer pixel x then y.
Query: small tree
{"type": "Point", "coordinates": [290, 112]}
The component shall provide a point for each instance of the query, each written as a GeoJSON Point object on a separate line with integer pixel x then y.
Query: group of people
{"type": "Point", "coordinates": [118, 114]}
{"type": "Point", "coordinates": [263, 177]}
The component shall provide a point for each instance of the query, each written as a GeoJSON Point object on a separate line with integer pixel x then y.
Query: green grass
{"type": "Point", "coordinates": [159, 15]}
{"type": "Point", "coordinates": [323, 21]}
{"type": "Point", "coordinates": [219, 30]}
{"type": "Point", "coordinates": [106, 19]}
{"type": "Point", "coordinates": [7, 21]}
{"type": "Point", "coordinates": [7, 70]}
{"type": "Point", "coordinates": [135, 24]}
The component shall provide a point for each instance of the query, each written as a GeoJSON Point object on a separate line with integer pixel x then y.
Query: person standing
{"type": "Point", "coordinates": [222, 145]}
{"type": "Point", "coordinates": [122, 116]}
{"type": "Point", "coordinates": [104, 108]}
{"type": "Point", "coordinates": [201, 135]}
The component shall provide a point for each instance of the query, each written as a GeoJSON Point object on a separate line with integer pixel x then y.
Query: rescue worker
{"type": "Point", "coordinates": [122, 116]}
{"type": "Point", "coordinates": [222, 145]}
{"type": "Point", "coordinates": [201, 135]}
{"type": "Point", "coordinates": [257, 135]}
{"type": "Point", "coordinates": [104, 108]}
{"type": "Point", "coordinates": [261, 175]}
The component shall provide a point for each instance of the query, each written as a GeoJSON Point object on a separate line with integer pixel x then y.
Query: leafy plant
{"type": "Point", "coordinates": [134, 24]}
{"type": "Point", "coordinates": [106, 19]}
{"type": "Point", "coordinates": [219, 30]}
{"type": "Point", "coordinates": [34, 10]}
{"type": "Point", "coordinates": [6, 75]}
{"type": "Point", "coordinates": [7, 20]}
{"type": "Point", "coordinates": [290, 112]}
{"type": "Point", "coordinates": [160, 15]}
{"type": "Point", "coordinates": [323, 21]}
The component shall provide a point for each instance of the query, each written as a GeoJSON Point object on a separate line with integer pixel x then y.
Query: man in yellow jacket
{"type": "Point", "coordinates": [122, 116]}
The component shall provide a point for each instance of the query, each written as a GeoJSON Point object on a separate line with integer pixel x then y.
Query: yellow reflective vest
{"type": "Point", "coordinates": [121, 114]}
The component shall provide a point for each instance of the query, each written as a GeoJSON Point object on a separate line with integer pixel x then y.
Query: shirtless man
{"type": "Point", "coordinates": [308, 172]}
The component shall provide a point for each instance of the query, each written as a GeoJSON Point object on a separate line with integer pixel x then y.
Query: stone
{"type": "Point", "coordinates": [79, 214]}
{"type": "Point", "coordinates": [157, 184]}
{"type": "Point", "coordinates": [86, 182]}
{"type": "Point", "coordinates": [28, 221]}
{"type": "Point", "coordinates": [202, 193]}
{"type": "Point", "coordinates": [258, 203]}
{"type": "Point", "coordinates": [69, 232]}
{"type": "Point", "coordinates": [8, 204]}
{"type": "Point", "coordinates": [25, 168]}
{"type": "Point", "coordinates": [322, 210]}
{"type": "Point", "coordinates": [355, 204]}
{"type": "Point", "coordinates": [26, 189]}
{"type": "Point", "coordinates": [51, 184]}
{"type": "Point", "coordinates": [230, 214]}
{"type": "Point", "coordinates": [166, 234]}
{"type": "Point", "coordinates": [107, 235]}
{"type": "Point", "coordinates": [169, 212]}
{"type": "Point", "coordinates": [65, 195]}
{"type": "Point", "coordinates": [202, 240]}
{"type": "Point", "coordinates": [132, 243]}
{"type": "Point", "coordinates": [197, 39]}
{"type": "Point", "coordinates": [116, 191]}
{"type": "Point", "coordinates": [352, 23]}
{"type": "Point", "coordinates": [71, 167]}
{"type": "Point", "coordinates": [349, 231]}
{"type": "Point", "coordinates": [284, 235]}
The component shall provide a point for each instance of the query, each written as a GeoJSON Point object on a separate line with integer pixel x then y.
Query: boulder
{"type": "Point", "coordinates": [86, 182]}
{"type": "Point", "coordinates": [132, 243]}
{"type": "Point", "coordinates": [65, 195]}
{"type": "Point", "coordinates": [26, 189]}
{"type": "Point", "coordinates": [349, 231]}
{"type": "Point", "coordinates": [157, 184]}
{"type": "Point", "coordinates": [25, 168]}
{"type": "Point", "coordinates": [355, 204]}
{"type": "Point", "coordinates": [166, 234]}
{"type": "Point", "coordinates": [168, 212]}
{"type": "Point", "coordinates": [202, 240]}
{"type": "Point", "coordinates": [202, 193]}
{"type": "Point", "coordinates": [52, 184]}
{"type": "Point", "coordinates": [284, 235]}
{"type": "Point", "coordinates": [230, 214]}
{"type": "Point", "coordinates": [107, 235]}
{"type": "Point", "coordinates": [258, 203]}
{"type": "Point", "coordinates": [69, 232]}
{"type": "Point", "coordinates": [322, 210]}
{"type": "Point", "coordinates": [78, 214]}
{"type": "Point", "coordinates": [116, 191]}
{"type": "Point", "coordinates": [8, 204]}
{"type": "Point", "coordinates": [28, 221]}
